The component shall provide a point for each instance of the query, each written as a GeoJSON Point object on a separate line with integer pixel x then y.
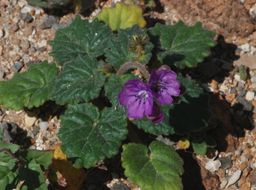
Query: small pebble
{"type": "Point", "coordinates": [1, 33]}
{"type": "Point", "coordinates": [17, 66]}
{"type": "Point", "coordinates": [226, 162]}
{"type": "Point", "coordinates": [15, 28]}
{"type": "Point", "coordinates": [26, 17]}
{"type": "Point", "coordinates": [43, 125]}
{"type": "Point", "coordinates": [234, 178]}
{"type": "Point", "coordinates": [249, 96]}
{"type": "Point", "coordinates": [213, 165]}
{"type": "Point", "coordinates": [49, 21]}
{"type": "Point", "coordinates": [253, 12]}
{"type": "Point", "coordinates": [247, 106]}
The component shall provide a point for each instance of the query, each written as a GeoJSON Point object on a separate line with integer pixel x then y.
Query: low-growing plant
{"type": "Point", "coordinates": [108, 80]}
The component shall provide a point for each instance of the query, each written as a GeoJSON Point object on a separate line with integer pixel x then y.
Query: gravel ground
{"type": "Point", "coordinates": [24, 35]}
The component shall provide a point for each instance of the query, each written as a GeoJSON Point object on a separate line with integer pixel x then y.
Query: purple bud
{"type": "Point", "coordinates": [164, 84]}
{"type": "Point", "coordinates": [137, 98]}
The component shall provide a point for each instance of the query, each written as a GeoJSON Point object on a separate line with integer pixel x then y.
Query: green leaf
{"type": "Point", "coordinates": [158, 167]}
{"type": "Point", "coordinates": [185, 45]}
{"type": "Point", "coordinates": [12, 147]}
{"type": "Point", "coordinates": [7, 172]}
{"type": "Point", "coordinates": [200, 147]}
{"type": "Point", "coordinates": [91, 135]}
{"type": "Point", "coordinates": [163, 128]}
{"type": "Point", "coordinates": [191, 87]}
{"type": "Point", "coordinates": [78, 82]}
{"type": "Point", "coordinates": [29, 89]}
{"type": "Point", "coordinates": [122, 16]}
{"type": "Point", "coordinates": [80, 38]}
{"type": "Point", "coordinates": [43, 158]}
{"type": "Point", "coordinates": [33, 176]}
{"type": "Point", "coordinates": [114, 86]}
{"type": "Point", "coordinates": [191, 116]}
{"type": "Point", "coordinates": [129, 45]}
{"type": "Point", "coordinates": [6, 177]}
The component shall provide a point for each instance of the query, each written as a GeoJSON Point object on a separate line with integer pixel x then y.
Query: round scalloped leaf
{"type": "Point", "coordinates": [28, 89]}
{"type": "Point", "coordinates": [185, 45]}
{"type": "Point", "coordinates": [80, 38]}
{"type": "Point", "coordinates": [78, 82]}
{"type": "Point", "coordinates": [122, 16]}
{"type": "Point", "coordinates": [132, 44]}
{"type": "Point", "coordinates": [91, 135]}
{"type": "Point", "coordinates": [192, 88]}
{"type": "Point", "coordinates": [163, 128]}
{"type": "Point", "coordinates": [158, 167]}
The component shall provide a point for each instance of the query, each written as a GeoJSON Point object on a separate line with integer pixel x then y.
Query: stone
{"type": "Point", "coordinates": [119, 186]}
{"type": "Point", "coordinates": [2, 33]}
{"type": "Point", "coordinates": [25, 44]}
{"type": "Point", "coordinates": [246, 60]}
{"type": "Point", "coordinates": [226, 162]}
{"type": "Point", "coordinates": [17, 66]}
{"type": "Point", "coordinates": [249, 96]}
{"type": "Point", "coordinates": [252, 12]}
{"type": "Point", "coordinates": [1, 50]}
{"type": "Point", "coordinates": [29, 121]}
{"type": "Point", "coordinates": [234, 178]}
{"type": "Point", "coordinates": [49, 21]}
{"type": "Point", "coordinates": [213, 165]}
{"type": "Point", "coordinates": [247, 106]}
{"type": "Point", "coordinates": [15, 28]}
{"type": "Point", "coordinates": [26, 17]}
{"type": "Point", "coordinates": [43, 125]}
{"type": "Point", "coordinates": [26, 9]}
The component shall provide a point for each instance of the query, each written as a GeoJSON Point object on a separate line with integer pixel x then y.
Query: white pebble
{"type": "Point", "coordinates": [213, 165]}
{"type": "Point", "coordinates": [234, 178]}
{"type": "Point", "coordinates": [26, 9]}
{"type": "Point", "coordinates": [249, 96]}
{"type": "Point", "coordinates": [237, 77]}
{"type": "Point", "coordinates": [43, 125]}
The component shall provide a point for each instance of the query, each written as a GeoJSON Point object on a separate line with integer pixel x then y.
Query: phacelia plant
{"type": "Point", "coordinates": [110, 79]}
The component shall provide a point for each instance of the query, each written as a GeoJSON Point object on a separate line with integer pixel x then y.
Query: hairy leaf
{"type": "Point", "coordinates": [29, 89]}
{"type": "Point", "coordinates": [163, 128]}
{"type": "Point", "coordinates": [185, 45]}
{"type": "Point", "coordinates": [80, 38]}
{"type": "Point", "coordinates": [158, 167]}
{"type": "Point", "coordinates": [78, 82]}
{"type": "Point", "coordinates": [43, 158]}
{"type": "Point", "coordinates": [114, 86]}
{"type": "Point", "coordinates": [129, 45]}
{"type": "Point", "coordinates": [191, 87]}
{"type": "Point", "coordinates": [7, 171]}
{"type": "Point", "coordinates": [122, 16]}
{"type": "Point", "coordinates": [91, 135]}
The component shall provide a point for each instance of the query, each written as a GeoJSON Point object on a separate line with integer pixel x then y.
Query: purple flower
{"type": "Point", "coordinates": [157, 115]}
{"type": "Point", "coordinates": [164, 84]}
{"type": "Point", "coordinates": [137, 98]}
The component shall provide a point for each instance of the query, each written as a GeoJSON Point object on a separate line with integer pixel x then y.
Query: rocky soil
{"type": "Point", "coordinates": [229, 75]}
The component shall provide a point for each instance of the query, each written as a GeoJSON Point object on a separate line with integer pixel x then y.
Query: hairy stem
{"type": "Point", "coordinates": [134, 65]}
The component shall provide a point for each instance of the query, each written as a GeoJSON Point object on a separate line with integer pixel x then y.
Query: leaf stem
{"type": "Point", "coordinates": [134, 65]}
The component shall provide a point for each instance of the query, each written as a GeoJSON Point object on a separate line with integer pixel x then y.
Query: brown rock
{"type": "Point", "coordinates": [230, 97]}
{"type": "Point", "coordinates": [247, 60]}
